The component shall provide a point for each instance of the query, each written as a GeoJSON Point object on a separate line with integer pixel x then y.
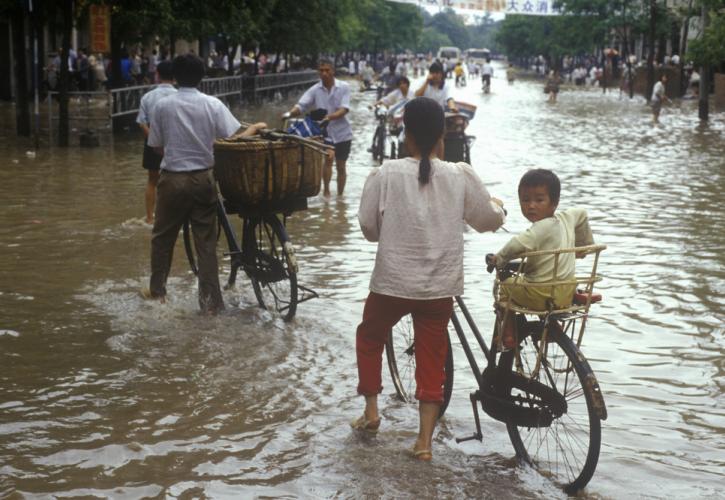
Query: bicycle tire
{"type": "Point", "coordinates": [393, 151]}
{"type": "Point", "coordinates": [271, 266]}
{"type": "Point", "coordinates": [189, 249]}
{"type": "Point", "coordinates": [551, 451]}
{"type": "Point", "coordinates": [379, 144]}
{"type": "Point", "coordinates": [400, 354]}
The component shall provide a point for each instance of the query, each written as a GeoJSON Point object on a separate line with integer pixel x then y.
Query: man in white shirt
{"type": "Point", "coordinates": [151, 159]}
{"type": "Point", "coordinates": [184, 127]}
{"type": "Point", "coordinates": [658, 95]}
{"type": "Point", "coordinates": [332, 95]}
{"type": "Point", "coordinates": [486, 74]}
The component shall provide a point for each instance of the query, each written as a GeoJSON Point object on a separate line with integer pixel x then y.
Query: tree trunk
{"type": "Point", "coordinates": [22, 110]}
{"type": "Point", "coordinates": [683, 48]}
{"type": "Point", "coordinates": [651, 54]}
{"type": "Point", "coordinates": [115, 76]}
{"type": "Point", "coordinates": [63, 84]}
{"type": "Point", "coordinates": [230, 58]}
{"type": "Point", "coordinates": [704, 103]}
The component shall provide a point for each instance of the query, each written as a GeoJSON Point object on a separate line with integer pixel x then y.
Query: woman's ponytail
{"type": "Point", "coordinates": [424, 170]}
{"type": "Point", "coordinates": [424, 122]}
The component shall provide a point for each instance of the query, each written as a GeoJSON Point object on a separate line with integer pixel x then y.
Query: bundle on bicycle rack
{"type": "Point", "coordinates": [269, 168]}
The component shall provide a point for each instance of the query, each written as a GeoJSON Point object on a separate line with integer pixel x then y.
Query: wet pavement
{"type": "Point", "coordinates": [104, 395]}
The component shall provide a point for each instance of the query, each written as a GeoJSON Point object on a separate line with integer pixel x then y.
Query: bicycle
{"type": "Point", "coordinates": [543, 390]}
{"type": "Point", "coordinates": [379, 136]}
{"type": "Point", "coordinates": [265, 252]}
{"type": "Point", "coordinates": [457, 144]}
{"type": "Point", "coordinates": [486, 83]}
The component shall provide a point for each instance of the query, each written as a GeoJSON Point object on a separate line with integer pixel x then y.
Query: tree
{"type": "Point", "coordinates": [15, 12]}
{"type": "Point", "coordinates": [709, 50]}
{"type": "Point", "coordinates": [431, 40]}
{"type": "Point", "coordinates": [451, 24]}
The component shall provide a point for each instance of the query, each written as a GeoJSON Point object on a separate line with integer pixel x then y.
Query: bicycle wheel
{"type": "Point", "coordinates": [400, 353]}
{"type": "Point", "coordinates": [379, 144]}
{"type": "Point", "coordinates": [189, 249]}
{"type": "Point", "coordinates": [393, 151]}
{"type": "Point", "coordinates": [564, 444]}
{"type": "Point", "coordinates": [270, 263]}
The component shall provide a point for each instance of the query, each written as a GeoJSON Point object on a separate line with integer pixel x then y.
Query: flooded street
{"type": "Point", "coordinates": [105, 395]}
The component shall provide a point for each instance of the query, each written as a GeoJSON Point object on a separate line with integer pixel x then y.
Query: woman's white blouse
{"type": "Point", "coordinates": [419, 228]}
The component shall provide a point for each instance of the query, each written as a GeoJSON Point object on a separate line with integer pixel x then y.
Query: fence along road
{"type": "Point", "coordinates": [97, 110]}
{"type": "Point", "coordinates": [126, 100]}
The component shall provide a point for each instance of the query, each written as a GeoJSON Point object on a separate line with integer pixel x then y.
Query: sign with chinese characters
{"type": "Point", "coordinates": [100, 28]}
{"type": "Point", "coordinates": [525, 7]}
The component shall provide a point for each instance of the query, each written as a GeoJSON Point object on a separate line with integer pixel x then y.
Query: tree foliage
{"type": "Point", "coordinates": [709, 49]}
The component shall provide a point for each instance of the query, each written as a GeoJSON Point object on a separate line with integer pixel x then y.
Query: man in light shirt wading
{"type": "Point", "coordinates": [151, 159]}
{"type": "Point", "coordinates": [184, 127]}
{"type": "Point", "coordinates": [333, 96]}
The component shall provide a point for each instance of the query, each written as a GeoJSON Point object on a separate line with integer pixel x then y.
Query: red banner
{"type": "Point", "coordinates": [100, 29]}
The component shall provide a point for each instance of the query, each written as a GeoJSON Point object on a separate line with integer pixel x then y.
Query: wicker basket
{"type": "Point", "coordinates": [252, 170]}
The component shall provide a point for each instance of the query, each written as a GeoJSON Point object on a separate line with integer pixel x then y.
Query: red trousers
{"type": "Point", "coordinates": [430, 322]}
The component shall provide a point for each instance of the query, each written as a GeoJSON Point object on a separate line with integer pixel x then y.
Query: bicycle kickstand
{"type": "Point", "coordinates": [475, 397]}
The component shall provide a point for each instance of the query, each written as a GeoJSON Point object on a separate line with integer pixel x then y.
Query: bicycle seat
{"type": "Point", "coordinates": [580, 297]}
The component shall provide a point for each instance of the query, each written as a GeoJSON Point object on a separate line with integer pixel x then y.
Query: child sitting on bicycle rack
{"type": "Point", "coordinates": [550, 230]}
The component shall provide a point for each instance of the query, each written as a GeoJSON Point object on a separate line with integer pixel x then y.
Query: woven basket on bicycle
{"type": "Point", "coordinates": [253, 170]}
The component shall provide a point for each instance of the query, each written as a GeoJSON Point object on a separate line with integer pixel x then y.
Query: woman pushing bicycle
{"type": "Point", "coordinates": [416, 209]}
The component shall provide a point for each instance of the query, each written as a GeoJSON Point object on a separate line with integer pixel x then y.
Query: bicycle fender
{"type": "Point", "coordinates": [597, 397]}
{"type": "Point", "coordinates": [291, 257]}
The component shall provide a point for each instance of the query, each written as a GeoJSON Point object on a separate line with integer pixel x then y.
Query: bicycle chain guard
{"type": "Point", "coordinates": [537, 408]}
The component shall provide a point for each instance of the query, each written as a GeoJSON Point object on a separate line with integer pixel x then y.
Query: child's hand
{"type": "Point", "coordinates": [580, 255]}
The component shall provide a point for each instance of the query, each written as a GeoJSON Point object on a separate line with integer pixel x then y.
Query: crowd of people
{"type": "Point", "coordinates": [92, 71]}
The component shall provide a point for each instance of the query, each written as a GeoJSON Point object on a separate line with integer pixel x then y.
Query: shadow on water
{"type": "Point", "coordinates": [106, 395]}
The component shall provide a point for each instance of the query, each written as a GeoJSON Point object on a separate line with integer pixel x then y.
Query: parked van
{"type": "Point", "coordinates": [478, 56]}
{"type": "Point", "coordinates": [452, 53]}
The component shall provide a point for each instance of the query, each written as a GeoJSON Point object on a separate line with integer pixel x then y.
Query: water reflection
{"type": "Point", "coordinates": [105, 395]}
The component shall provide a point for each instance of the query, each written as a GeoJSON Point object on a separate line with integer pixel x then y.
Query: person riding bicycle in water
{"type": "Point", "coordinates": [458, 71]}
{"type": "Point", "coordinates": [435, 88]}
{"type": "Point", "coordinates": [395, 102]}
{"type": "Point", "coordinates": [406, 207]}
{"type": "Point", "coordinates": [401, 94]}
{"type": "Point", "coordinates": [539, 191]}
{"type": "Point", "coordinates": [487, 74]}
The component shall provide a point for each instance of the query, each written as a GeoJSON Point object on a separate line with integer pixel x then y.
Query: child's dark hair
{"type": "Point", "coordinates": [165, 70]}
{"type": "Point", "coordinates": [542, 177]}
{"type": "Point", "coordinates": [403, 79]}
{"type": "Point", "coordinates": [424, 123]}
{"type": "Point", "coordinates": [188, 70]}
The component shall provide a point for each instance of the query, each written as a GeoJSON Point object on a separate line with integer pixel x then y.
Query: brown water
{"type": "Point", "coordinates": [104, 395]}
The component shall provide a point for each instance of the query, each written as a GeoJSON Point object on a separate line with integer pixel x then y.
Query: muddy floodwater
{"type": "Point", "coordinates": [105, 395]}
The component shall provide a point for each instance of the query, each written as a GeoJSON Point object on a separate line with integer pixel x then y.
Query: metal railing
{"type": "Point", "coordinates": [275, 81]}
{"type": "Point", "coordinates": [127, 100]}
{"type": "Point", "coordinates": [93, 107]}
{"type": "Point", "coordinates": [222, 87]}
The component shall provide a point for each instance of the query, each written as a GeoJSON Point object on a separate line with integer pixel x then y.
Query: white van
{"type": "Point", "coordinates": [477, 56]}
{"type": "Point", "coordinates": [452, 53]}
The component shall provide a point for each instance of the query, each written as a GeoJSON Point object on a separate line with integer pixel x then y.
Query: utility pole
{"type": "Point", "coordinates": [703, 105]}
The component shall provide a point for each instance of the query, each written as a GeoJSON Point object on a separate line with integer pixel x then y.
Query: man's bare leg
{"type": "Point", "coordinates": [327, 173]}
{"type": "Point", "coordinates": [151, 194]}
{"type": "Point", "coordinates": [341, 175]}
